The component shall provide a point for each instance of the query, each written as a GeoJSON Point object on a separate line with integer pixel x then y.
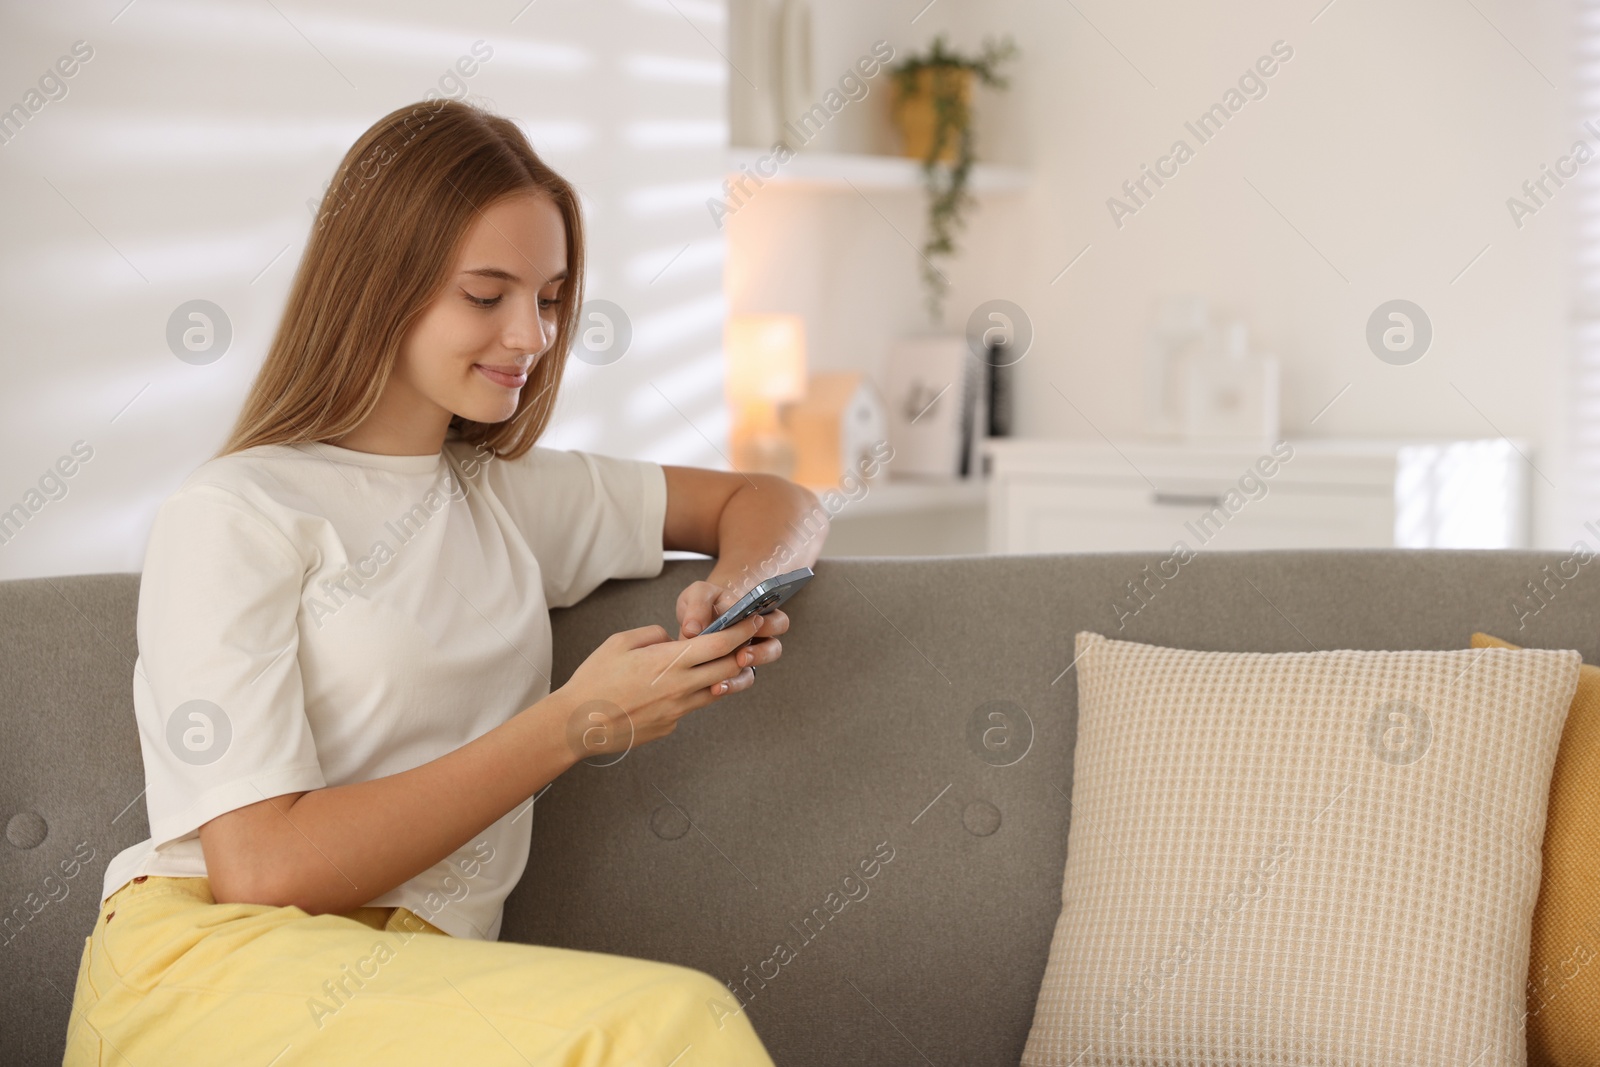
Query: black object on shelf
{"type": "Point", "coordinates": [972, 417]}
{"type": "Point", "coordinates": [1000, 372]}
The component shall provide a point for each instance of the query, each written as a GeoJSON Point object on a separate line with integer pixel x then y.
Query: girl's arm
{"type": "Point", "coordinates": [336, 848]}
{"type": "Point", "coordinates": [757, 525]}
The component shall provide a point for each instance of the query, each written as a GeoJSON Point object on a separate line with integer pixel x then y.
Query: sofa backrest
{"type": "Point", "coordinates": [871, 747]}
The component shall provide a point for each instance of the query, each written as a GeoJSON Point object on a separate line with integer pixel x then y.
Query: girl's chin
{"type": "Point", "coordinates": [478, 408]}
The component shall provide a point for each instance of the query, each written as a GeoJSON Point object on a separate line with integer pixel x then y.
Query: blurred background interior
{"type": "Point", "coordinates": [1009, 276]}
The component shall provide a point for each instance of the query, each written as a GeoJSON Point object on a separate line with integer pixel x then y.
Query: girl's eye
{"type": "Point", "coordinates": [550, 302]}
{"type": "Point", "coordinates": [482, 302]}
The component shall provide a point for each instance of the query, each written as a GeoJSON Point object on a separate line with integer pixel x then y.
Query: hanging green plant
{"type": "Point", "coordinates": [933, 108]}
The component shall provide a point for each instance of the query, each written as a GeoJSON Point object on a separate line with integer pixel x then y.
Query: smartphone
{"type": "Point", "coordinates": [762, 599]}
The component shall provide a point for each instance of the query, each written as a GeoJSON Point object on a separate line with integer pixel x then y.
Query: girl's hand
{"type": "Point", "coordinates": [637, 685]}
{"type": "Point", "coordinates": [702, 602]}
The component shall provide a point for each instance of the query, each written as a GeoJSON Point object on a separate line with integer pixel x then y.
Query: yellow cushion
{"type": "Point", "coordinates": [1564, 967]}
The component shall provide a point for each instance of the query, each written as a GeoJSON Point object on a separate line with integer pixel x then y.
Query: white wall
{"type": "Point", "coordinates": [1390, 142]}
{"type": "Point", "coordinates": [179, 164]}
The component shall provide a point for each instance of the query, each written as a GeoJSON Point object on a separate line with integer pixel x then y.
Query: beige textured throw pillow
{"type": "Point", "coordinates": [1318, 857]}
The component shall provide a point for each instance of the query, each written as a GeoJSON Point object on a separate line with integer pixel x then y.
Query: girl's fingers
{"type": "Point", "coordinates": [736, 678]}
{"type": "Point", "coordinates": [711, 674]}
{"type": "Point", "coordinates": [696, 608]}
{"type": "Point", "coordinates": [760, 651]}
{"type": "Point", "coordinates": [777, 623]}
{"type": "Point", "coordinates": [701, 698]}
{"type": "Point", "coordinates": [708, 647]}
{"type": "Point", "coordinates": [743, 679]}
{"type": "Point", "coordinates": [639, 638]}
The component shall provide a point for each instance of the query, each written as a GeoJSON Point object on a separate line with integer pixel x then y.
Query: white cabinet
{"type": "Point", "coordinates": [1061, 496]}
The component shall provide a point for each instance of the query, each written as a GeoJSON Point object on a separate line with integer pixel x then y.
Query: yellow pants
{"type": "Point", "coordinates": [171, 977]}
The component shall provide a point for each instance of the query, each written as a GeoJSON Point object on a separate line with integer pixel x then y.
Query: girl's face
{"type": "Point", "coordinates": [473, 348]}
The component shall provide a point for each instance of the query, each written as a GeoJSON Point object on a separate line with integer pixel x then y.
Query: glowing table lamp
{"type": "Point", "coordinates": [766, 357]}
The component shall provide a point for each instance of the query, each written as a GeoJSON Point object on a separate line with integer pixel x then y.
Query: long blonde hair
{"type": "Point", "coordinates": [386, 235]}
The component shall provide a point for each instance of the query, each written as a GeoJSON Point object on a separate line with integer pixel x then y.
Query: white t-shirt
{"type": "Point", "coordinates": [311, 616]}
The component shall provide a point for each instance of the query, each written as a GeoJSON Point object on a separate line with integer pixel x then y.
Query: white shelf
{"type": "Point", "coordinates": [834, 170]}
{"type": "Point", "coordinates": [884, 497]}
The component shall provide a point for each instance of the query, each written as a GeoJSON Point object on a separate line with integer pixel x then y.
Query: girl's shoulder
{"type": "Point", "coordinates": [277, 482]}
{"type": "Point", "coordinates": [263, 467]}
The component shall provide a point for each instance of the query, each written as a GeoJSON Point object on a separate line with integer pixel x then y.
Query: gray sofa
{"type": "Point", "coordinates": [710, 847]}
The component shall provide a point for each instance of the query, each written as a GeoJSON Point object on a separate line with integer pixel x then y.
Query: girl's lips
{"type": "Point", "coordinates": [510, 381]}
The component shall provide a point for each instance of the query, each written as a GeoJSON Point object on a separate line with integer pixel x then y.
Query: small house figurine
{"type": "Point", "coordinates": [835, 429]}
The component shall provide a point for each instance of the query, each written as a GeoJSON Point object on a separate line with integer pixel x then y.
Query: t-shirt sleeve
{"type": "Point", "coordinates": [218, 693]}
{"type": "Point", "coordinates": [587, 517]}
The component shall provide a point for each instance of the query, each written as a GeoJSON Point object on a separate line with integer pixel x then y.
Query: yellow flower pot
{"type": "Point", "coordinates": [914, 114]}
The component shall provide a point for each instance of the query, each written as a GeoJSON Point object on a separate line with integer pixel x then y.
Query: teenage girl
{"type": "Point", "coordinates": [342, 688]}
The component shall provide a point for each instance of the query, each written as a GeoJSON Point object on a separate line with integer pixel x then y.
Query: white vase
{"type": "Point", "coordinates": [792, 42]}
{"type": "Point", "coordinates": [752, 84]}
{"type": "Point", "coordinates": [1232, 394]}
{"type": "Point", "coordinates": [769, 47]}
